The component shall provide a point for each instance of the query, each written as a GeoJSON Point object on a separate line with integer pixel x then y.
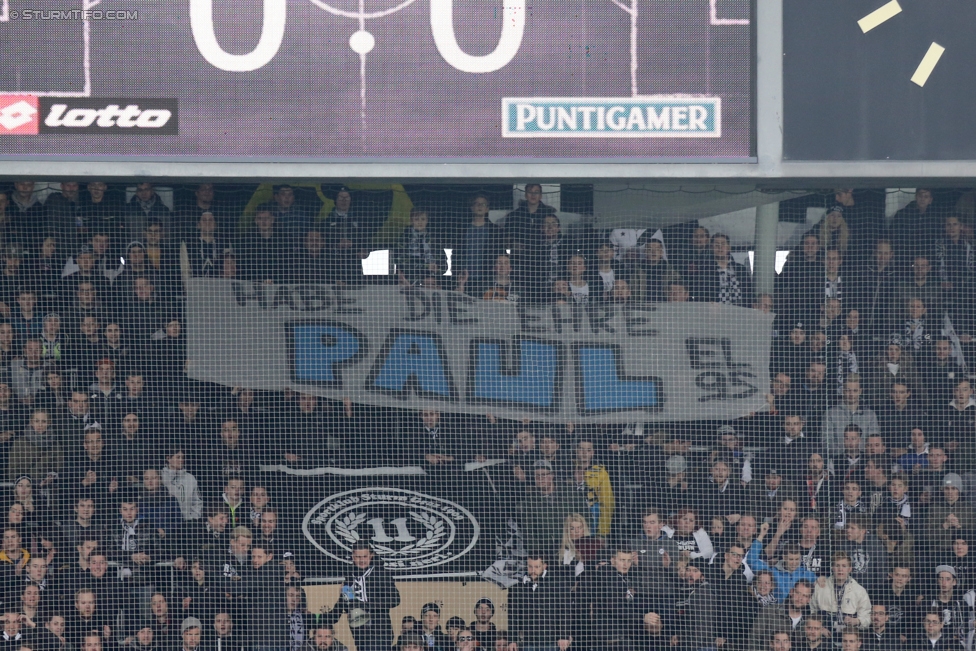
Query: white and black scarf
{"type": "Point", "coordinates": [915, 333]}
{"type": "Point", "coordinates": [130, 538]}
{"type": "Point", "coordinates": [729, 291]}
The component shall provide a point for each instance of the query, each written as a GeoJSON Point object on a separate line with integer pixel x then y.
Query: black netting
{"type": "Point", "coordinates": [266, 411]}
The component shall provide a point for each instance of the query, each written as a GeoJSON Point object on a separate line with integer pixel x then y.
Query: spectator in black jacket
{"type": "Point", "coordinates": [538, 613]}
{"type": "Point", "coordinates": [86, 619]}
{"type": "Point", "coordinates": [264, 592]}
{"type": "Point", "coordinates": [724, 281]}
{"type": "Point", "coordinates": [347, 239]}
{"type": "Point", "coordinates": [143, 206]}
{"type": "Point", "coordinates": [721, 494]}
{"type": "Point", "coordinates": [370, 588]}
{"type": "Point", "coordinates": [433, 443]}
{"type": "Point", "coordinates": [940, 373]}
{"type": "Point", "coordinates": [104, 209]}
{"type": "Point", "coordinates": [473, 259]}
{"type": "Point", "coordinates": [206, 538]}
{"type": "Point", "coordinates": [65, 214]}
{"type": "Point", "coordinates": [958, 422]}
{"type": "Point", "coordinates": [798, 286]}
{"type": "Point", "coordinates": [696, 610]}
{"type": "Point", "coordinates": [25, 212]}
{"type": "Point", "coordinates": [544, 259]}
{"type": "Point", "coordinates": [523, 222]}
{"type": "Point", "coordinates": [224, 637]}
{"type": "Point", "coordinates": [729, 585]}
{"type": "Point", "coordinates": [262, 251]}
{"type": "Point", "coordinates": [881, 637]}
{"type": "Point", "coordinates": [420, 258]}
{"type": "Point", "coordinates": [869, 558]}
{"type": "Point", "coordinates": [313, 263]}
{"type": "Point", "coordinates": [430, 629]}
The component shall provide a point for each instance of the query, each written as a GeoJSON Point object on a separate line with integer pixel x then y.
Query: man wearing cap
{"type": "Point", "coordinates": [483, 628]}
{"type": "Point", "coordinates": [369, 594]}
{"type": "Point", "coordinates": [956, 609]}
{"type": "Point", "coordinates": [543, 511]}
{"type": "Point", "coordinates": [950, 516]}
{"type": "Point", "coordinates": [430, 629]}
{"type": "Point", "coordinates": [675, 487]}
{"type": "Point", "coordinates": [191, 630]}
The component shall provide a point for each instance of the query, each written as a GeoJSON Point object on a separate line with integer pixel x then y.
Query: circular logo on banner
{"type": "Point", "coordinates": [407, 530]}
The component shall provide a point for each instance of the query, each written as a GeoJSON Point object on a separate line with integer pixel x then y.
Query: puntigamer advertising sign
{"type": "Point", "coordinates": [318, 80]}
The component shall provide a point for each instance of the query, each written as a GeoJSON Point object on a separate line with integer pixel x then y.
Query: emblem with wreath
{"type": "Point", "coordinates": [347, 525]}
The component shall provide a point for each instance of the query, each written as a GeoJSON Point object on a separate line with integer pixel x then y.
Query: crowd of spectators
{"type": "Point", "coordinates": [840, 516]}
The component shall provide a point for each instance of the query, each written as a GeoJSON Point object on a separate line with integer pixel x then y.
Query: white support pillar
{"type": "Point", "coordinates": [764, 262]}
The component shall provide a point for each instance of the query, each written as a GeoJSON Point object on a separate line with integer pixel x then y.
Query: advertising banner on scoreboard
{"type": "Point", "coordinates": [418, 349]}
{"type": "Point", "coordinates": [326, 80]}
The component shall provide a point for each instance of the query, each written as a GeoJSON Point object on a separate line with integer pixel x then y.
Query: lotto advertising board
{"type": "Point", "coordinates": [326, 80]}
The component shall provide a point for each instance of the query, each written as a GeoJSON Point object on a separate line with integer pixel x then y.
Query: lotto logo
{"type": "Point", "coordinates": [19, 114]}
